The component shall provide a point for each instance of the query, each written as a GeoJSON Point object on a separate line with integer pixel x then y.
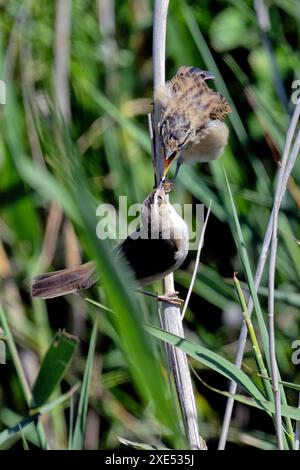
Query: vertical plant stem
{"type": "Point", "coordinates": [159, 53]}
{"type": "Point", "coordinates": [171, 316]}
{"type": "Point", "coordinates": [109, 48]}
{"type": "Point", "coordinates": [281, 187]}
{"type": "Point", "coordinates": [258, 355]}
{"type": "Point", "coordinates": [264, 23]}
{"type": "Point", "coordinates": [272, 341]}
{"type": "Point", "coordinates": [62, 56]}
{"type": "Point", "coordinates": [178, 364]}
{"type": "Point", "coordinates": [282, 180]}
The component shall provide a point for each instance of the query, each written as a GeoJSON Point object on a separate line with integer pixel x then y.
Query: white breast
{"type": "Point", "coordinates": [175, 227]}
{"type": "Point", "coordinates": [210, 144]}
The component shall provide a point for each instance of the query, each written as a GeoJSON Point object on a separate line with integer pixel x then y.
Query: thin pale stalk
{"type": "Point", "coordinates": [159, 53]}
{"type": "Point", "coordinates": [272, 341]}
{"type": "Point", "coordinates": [62, 56]}
{"type": "Point", "coordinates": [179, 365]}
{"type": "Point", "coordinates": [271, 287]}
{"type": "Point", "coordinates": [283, 176]}
{"type": "Point", "coordinates": [200, 245]}
{"type": "Point", "coordinates": [109, 48]}
{"type": "Point", "coordinates": [171, 317]}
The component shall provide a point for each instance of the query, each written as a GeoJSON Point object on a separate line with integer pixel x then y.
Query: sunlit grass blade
{"type": "Point", "coordinates": [210, 359]}
{"type": "Point", "coordinates": [225, 368]}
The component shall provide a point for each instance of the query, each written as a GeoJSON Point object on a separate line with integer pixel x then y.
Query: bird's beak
{"type": "Point", "coordinates": [207, 75]}
{"type": "Point", "coordinates": [169, 157]}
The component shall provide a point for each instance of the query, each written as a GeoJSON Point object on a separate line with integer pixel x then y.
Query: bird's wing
{"type": "Point", "coordinates": [189, 84]}
{"type": "Point", "coordinates": [220, 107]}
{"type": "Point", "coordinates": [188, 92]}
{"type": "Point", "coordinates": [188, 78]}
{"type": "Point", "coordinates": [181, 84]}
{"type": "Point", "coordinates": [149, 258]}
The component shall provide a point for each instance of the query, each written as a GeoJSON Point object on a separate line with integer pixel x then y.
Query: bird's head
{"type": "Point", "coordinates": [157, 197]}
{"type": "Point", "coordinates": [175, 131]}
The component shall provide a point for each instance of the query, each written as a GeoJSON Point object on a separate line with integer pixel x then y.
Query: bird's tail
{"type": "Point", "coordinates": [66, 281]}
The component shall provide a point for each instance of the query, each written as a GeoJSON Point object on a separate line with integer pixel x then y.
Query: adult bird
{"type": "Point", "coordinates": [155, 249]}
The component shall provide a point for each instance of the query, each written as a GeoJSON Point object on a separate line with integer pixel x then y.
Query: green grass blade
{"type": "Point", "coordinates": [13, 432]}
{"type": "Point", "coordinates": [79, 431]}
{"type": "Point", "coordinates": [71, 423]}
{"type": "Point", "coordinates": [54, 367]}
{"type": "Point", "coordinates": [241, 247]}
{"type": "Point", "coordinates": [211, 360]}
{"type": "Point", "coordinates": [24, 441]}
{"type": "Point", "coordinates": [225, 368]}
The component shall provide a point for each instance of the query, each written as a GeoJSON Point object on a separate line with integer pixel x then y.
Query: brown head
{"type": "Point", "coordinates": [174, 132]}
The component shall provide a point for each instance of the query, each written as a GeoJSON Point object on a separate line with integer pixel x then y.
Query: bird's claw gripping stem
{"type": "Point", "coordinates": [171, 298]}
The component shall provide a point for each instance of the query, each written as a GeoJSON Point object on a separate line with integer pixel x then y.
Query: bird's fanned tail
{"type": "Point", "coordinates": [66, 281]}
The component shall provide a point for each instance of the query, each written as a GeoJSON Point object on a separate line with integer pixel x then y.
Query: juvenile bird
{"type": "Point", "coordinates": [191, 126]}
{"type": "Point", "coordinates": [155, 249]}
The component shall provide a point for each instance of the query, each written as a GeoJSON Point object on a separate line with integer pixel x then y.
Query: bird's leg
{"type": "Point", "coordinates": [171, 299]}
{"type": "Point", "coordinates": [178, 164]}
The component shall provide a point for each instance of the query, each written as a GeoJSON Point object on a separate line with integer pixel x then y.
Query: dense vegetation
{"type": "Point", "coordinates": [56, 167]}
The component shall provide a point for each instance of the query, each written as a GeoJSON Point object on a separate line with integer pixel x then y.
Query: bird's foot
{"type": "Point", "coordinates": [169, 185]}
{"type": "Point", "coordinates": [166, 184]}
{"type": "Point", "coordinates": [171, 298]}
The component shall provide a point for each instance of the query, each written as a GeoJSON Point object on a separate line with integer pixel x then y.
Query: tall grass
{"type": "Point", "coordinates": [57, 166]}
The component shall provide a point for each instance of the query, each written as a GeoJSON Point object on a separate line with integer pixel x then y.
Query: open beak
{"type": "Point", "coordinates": [169, 157]}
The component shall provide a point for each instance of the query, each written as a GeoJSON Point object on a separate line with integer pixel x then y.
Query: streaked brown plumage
{"type": "Point", "coordinates": [158, 247]}
{"type": "Point", "coordinates": [191, 125]}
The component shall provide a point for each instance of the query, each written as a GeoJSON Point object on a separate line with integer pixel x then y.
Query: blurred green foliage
{"type": "Point", "coordinates": [54, 174]}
